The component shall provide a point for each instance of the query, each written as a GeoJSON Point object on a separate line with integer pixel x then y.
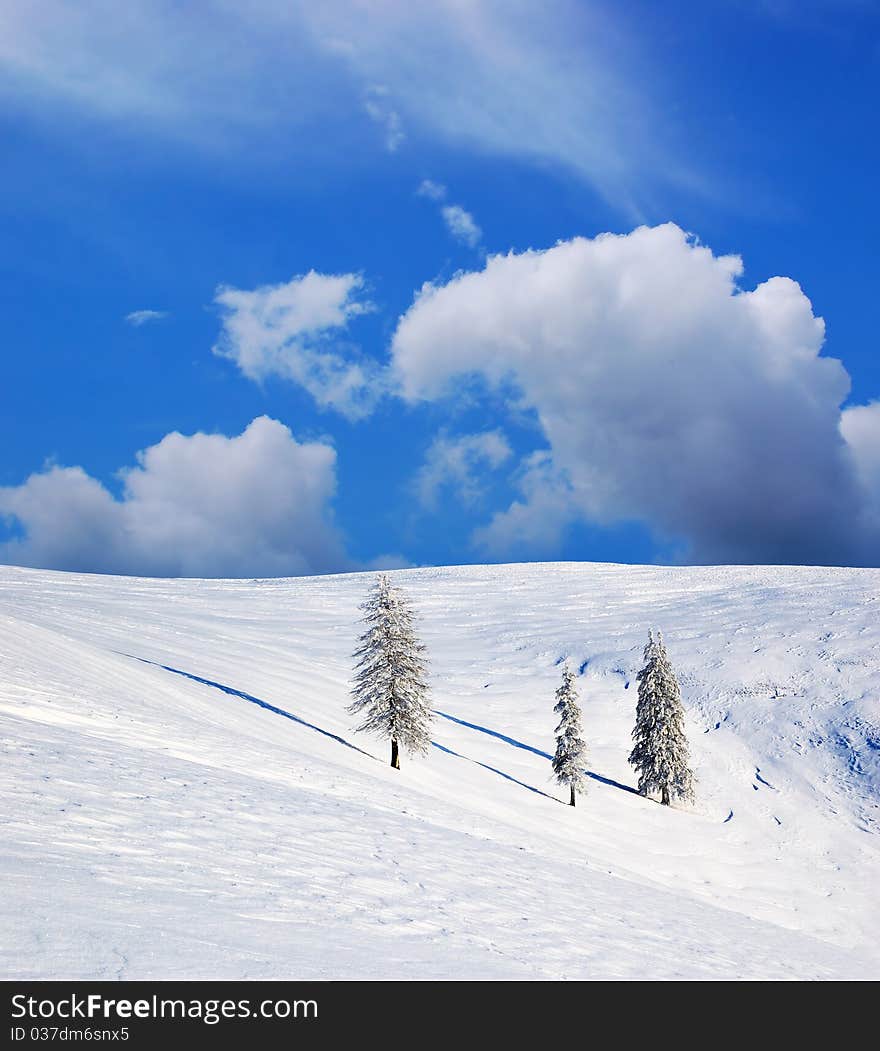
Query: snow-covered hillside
{"type": "Point", "coordinates": [183, 795]}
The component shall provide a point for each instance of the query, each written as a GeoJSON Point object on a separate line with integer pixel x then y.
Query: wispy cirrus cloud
{"type": "Point", "coordinates": [434, 191]}
{"type": "Point", "coordinates": [144, 317]}
{"type": "Point", "coordinates": [459, 221]}
{"type": "Point", "coordinates": [379, 109]}
{"type": "Point", "coordinates": [563, 83]}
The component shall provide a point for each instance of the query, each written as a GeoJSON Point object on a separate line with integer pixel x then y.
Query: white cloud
{"type": "Point", "coordinates": [458, 463]}
{"type": "Point", "coordinates": [459, 222]}
{"type": "Point", "coordinates": [293, 330]}
{"type": "Point", "coordinates": [860, 427]}
{"type": "Point", "coordinates": [666, 393]}
{"type": "Point", "coordinates": [565, 83]}
{"type": "Point", "coordinates": [379, 109]}
{"type": "Point", "coordinates": [537, 522]}
{"type": "Point", "coordinates": [253, 505]}
{"type": "Point", "coordinates": [434, 191]}
{"type": "Point", "coordinates": [462, 225]}
{"type": "Point", "coordinates": [142, 317]}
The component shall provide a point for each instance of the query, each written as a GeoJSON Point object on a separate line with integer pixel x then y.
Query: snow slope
{"type": "Point", "coordinates": [221, 819]}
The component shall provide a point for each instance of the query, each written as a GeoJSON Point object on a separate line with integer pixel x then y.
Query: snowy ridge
{"type": "Point", "coordinates": [181, 798]}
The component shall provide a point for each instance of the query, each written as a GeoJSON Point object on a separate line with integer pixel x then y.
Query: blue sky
{"type": "Point", "coordinates": [217, 228]}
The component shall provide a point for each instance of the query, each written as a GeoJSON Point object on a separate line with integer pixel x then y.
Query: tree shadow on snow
{"type": "Point", "coordinates": [254, 700]}
{"type": "Point", "coordinates": [529, 748]}
{"type": "Point", "coordinates": [231, 691]}
{"type": "Point", "coordinates": [500, 773]}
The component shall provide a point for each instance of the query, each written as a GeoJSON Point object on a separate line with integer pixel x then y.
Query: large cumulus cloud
{"type": "Point", "coordinates": [860, 427]}
{"type": "Point", "coordinates": [257, 504]}
{"type": "Point", "coordinates": [666, 393]}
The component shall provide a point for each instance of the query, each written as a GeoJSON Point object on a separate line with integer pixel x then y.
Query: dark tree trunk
{"type": "Point", "coordinates": [664, 795]}
{"type": "Point", "coordinates": [571, 801]}
{"type": "Point", "coordinates": [395, 755]}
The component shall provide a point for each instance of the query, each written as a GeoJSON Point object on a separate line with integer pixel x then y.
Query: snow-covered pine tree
{"type": "Point", "coordinates": [660, 750]}
{"type": "Point", "coordinates": [389, 686]}
{"type": "Point", "coordinates": [571, 752]}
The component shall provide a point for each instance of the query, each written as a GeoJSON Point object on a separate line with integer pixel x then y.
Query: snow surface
{"type": "Point", "coordinates": [215, 820]}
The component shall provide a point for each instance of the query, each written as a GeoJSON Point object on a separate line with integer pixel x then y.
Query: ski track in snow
{"type": "Point", "coordinates": [156, 826]}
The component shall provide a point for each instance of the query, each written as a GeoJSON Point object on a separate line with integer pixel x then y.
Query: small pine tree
{"type": "Point", "coordinates": [389, 687]}
{"type": "Point", "coordinates": [660, 750]}
{"type": "Point", "coordinates": [571, 752]}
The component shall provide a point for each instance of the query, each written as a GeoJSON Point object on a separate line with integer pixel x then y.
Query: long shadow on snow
{"type": "Point", "coordinates": [254, 700]}
{"type": "Point", "coordinates": [326, 733]}
{"type": "Point", "coordinates": [529, 748]}
{"type": "Point", "coordinates": [500, 773]}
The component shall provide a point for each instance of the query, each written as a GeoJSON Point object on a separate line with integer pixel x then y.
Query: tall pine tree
{"type": "Point", "coordinates": [571, 751]}
{"type": "Point", "coordinates": [389, 687]}
{"type": "Point", "coordinates": [660, 749]}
